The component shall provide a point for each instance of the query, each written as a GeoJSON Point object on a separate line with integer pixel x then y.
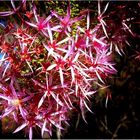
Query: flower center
{"type": "Point", "coordinates": [15, 102]}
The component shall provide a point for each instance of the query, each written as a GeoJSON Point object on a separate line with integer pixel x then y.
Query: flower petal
{"type": "Point", "coordinates": [42, 100]}
{"type": "Point", "coordinates": [55, 124]}
{"type": "Point", "coordinates": [51, 66]}
{"type": "Point", "coordinates": [30, 133]}
{"type": "Point", "coordinates": [57, 99]}
{"type": "Point", "coordinates": [4, 97]}
{"type": "Point", "coordinates": [61, 76]}
{"type": "Point", "coordinates": [20, 127]}
{"type": "Point", "coordinates": [50, 33]}
{"type": "Point", "coordinates": [63, 41]}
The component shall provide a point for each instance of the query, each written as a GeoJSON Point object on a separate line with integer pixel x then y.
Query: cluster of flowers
{"type": "Point", "coordinates": [45, 68]}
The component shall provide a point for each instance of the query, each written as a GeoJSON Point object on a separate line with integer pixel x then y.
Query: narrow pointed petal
{"type": "Point", "coordinates": [35, 14]}
{"type": "Point", "coordinates": [55, 28]}
{"type": "Point", "coordinates": [88, 20]}
{"type": "Point", "coordinates": [50, 33]}
{"type": "Point", "coordinates": [87, 42]}
{"type": "Point", "coordinates": [57, 99]}
{"type": "Point", "coordinates": [87, 106]}
{"type": "Point", "coordinates": [2, 25]}
{"type": "Point", "coordinates": [56, 124]}
{"type": "Point", "coordinates": [45, 33]}
{"type": "Point", "coordinates": [57, 113]}
{"type": "Point", "coordinates": [99, 8]}
{"type": "Point", "coordinates": [82, 30]}
{"type": "Point", "coordinates": [51, 52]}
{"type": "Point", "coordinates": [8, 111]}
{"type": "Point", "coordinates": [76, 57]}
{"type": "Point", "coordinates": [83, 115]}
{"type": "Point", "coordinates": [26, 99]}
{"type": "Point", "coordinates": [105, 8]}
{"type": "Point", "coordinates": [43, 128]}
{"type": "Point", "coordinates": [15, 117]}
{"type": "Point", "coordinates": [2, 58]}
{"type": "Point", "coordinates": [111, 47]}
{"type": "Point", "coordinates": [13, 5]}
{"type": "Point", "coordinates": [51, 66]}
{"type": "Point", "coordinates": [106, 101]}
{"type": "Point", "coordinates": [20, 127]}
{"type": "Point", "coordinates": [99, 41]}
{"type": "Point", "coordinates": [61, 76]}
{"type": "Point", "coordinates": [4, 97]}
{"type": "Point", "coordinates": [99, 76]}
{"type": "Point", "coordinates": [70, 102]}
{"type": "Point", "coordinates": [31, 24]}
{"type": "Point", "coordinates": [38, 83]}
{"type": "Point", "coordinates": [67, 104]}
{"type": "Point", "coordinates": [42, 100]}
{"type": "Point", "coordinates": [103, 22]}
{"type": "Point", "coordinates": [116, 48]}
{"type": "Point", "coordinates": [72, 74]}
{"type": "Point", "coordinates": [47, 19]}
{"type": "Point", "coordinates": [29, 66]}
{"type": "Point", "coordinates": [22, 112]}
{"type": "Point", "coordinates": [128, 29]}
{"type": "Point", "coordinates": [76, 88]}
{"type": "Point", "coordinates": [7, 13]}
{"type": "Point", "coordinates": [90, 93]}
{"type": "Point", "coordinates": [63, 50]}
{"type": "Point", "coordinates": [5, 69]}
{"type": "Point", "coordinates": [55, 14]}
{"type": "Point", "coordinates": [30, 133]}
{"type": "Point", "coordinates": [63, 41]}
{"type": "Point", "coordinates": [104, 30]}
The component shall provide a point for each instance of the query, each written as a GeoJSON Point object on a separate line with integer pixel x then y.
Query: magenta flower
{"type": "Point", "coordinates": [100, 17]}
{"type": "Point", "coordinates": [13, 102]}
{"type": "Point", "coordinates": [66, 21]}
{"type": "Point", "coordinates": [30, 123]}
